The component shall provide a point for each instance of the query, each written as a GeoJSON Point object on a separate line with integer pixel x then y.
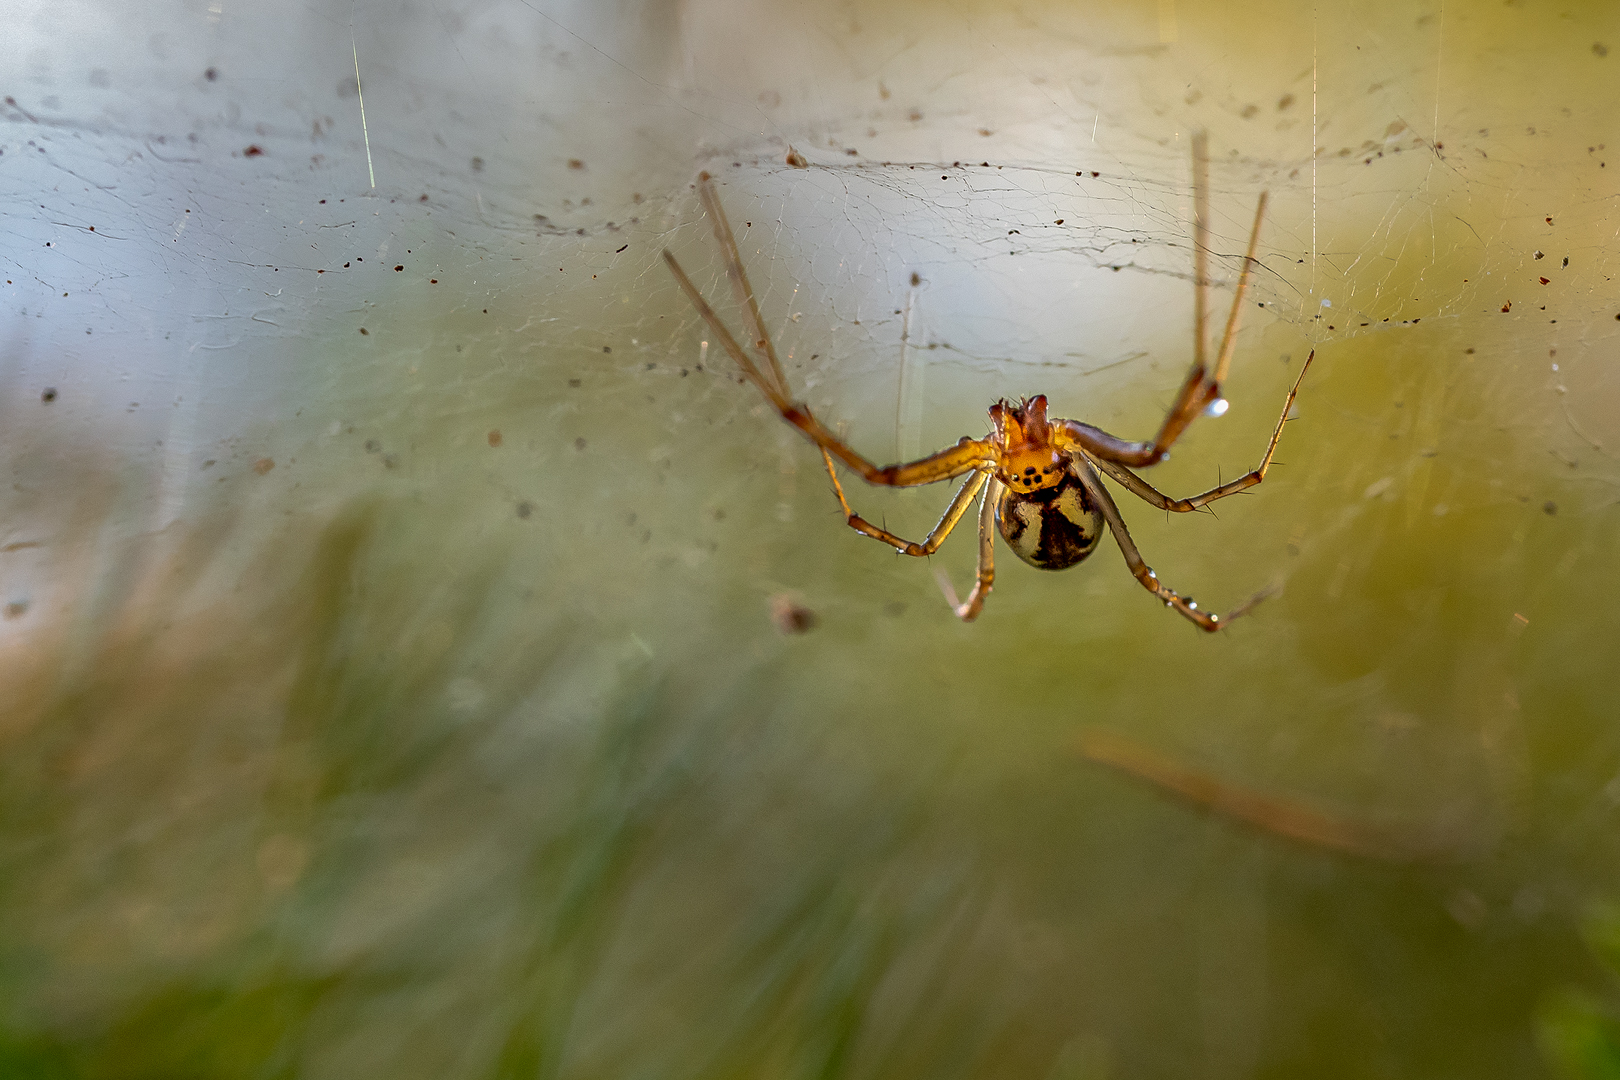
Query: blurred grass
{"type": "Point", "coordinates": [265, 897]}
{"type": "Point", "coordinates": [386, 811]}
{"type": "Point", "coordinates": [1578, 1028]}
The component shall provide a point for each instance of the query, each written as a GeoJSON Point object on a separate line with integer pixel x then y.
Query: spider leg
{"type": "Point", "coordinates": [1202, 387]}
{"type": "Point", "coordinates": [740, 287]}
{"type": "Point", "coordinates": [1139, 567]}
{"type": "Point", "coordinates": [1200, 152]}
{"type": "Point", "coordinates": [1223, 359]}
{"type": "Point", "coordinates": [966, 456]}
{"type": "Point", "coordinates": [969, 609]}
{"type": "Point", "coordinates": [1146, 491]}
{"type": "Point", "coordinates": [936, 537]}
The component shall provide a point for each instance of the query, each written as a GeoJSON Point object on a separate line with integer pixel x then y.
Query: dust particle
{"type": "Point", "coordinates": [790, 616]}
{"type": "Point", "coordinates": [495, 438]}
{"type": "Point", "coordinates": [263, 465]}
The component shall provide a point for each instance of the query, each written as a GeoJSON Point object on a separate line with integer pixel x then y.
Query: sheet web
{"type": "Point", "coordinates": [1415, 266]}
{"type": "Point", "coordinates": [889, 287]}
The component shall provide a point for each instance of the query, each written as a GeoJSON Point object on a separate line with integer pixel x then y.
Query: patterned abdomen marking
{"type": "Point", "coordinates": [1052, 528]}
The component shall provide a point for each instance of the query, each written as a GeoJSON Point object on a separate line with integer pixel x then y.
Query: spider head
{"type": "Point", "coordinates": [1029, 461]}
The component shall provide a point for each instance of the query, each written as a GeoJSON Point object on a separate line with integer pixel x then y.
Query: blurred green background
{"type": "Point", "coordinates": [391, 682]}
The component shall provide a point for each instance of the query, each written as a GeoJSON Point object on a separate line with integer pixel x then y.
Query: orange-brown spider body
{"type": "Point", "coordinates": [1038, 480]}
{"type": "Point", "coordinates": [1044, 513]}
{"type": "Point", "coordinates": [1026, 458]}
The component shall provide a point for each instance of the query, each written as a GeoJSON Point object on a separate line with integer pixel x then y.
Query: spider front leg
{"type": "Point", "coordinates": [966, 456]}
{"type": "Point", "coordinates": [1202, 387]}
{"type": "Point", "coordinates": [1144, 573]}
{"type": "Point", "coordinates": [947, 522]}
{"type": "Point", "coordinates": [969, 609]}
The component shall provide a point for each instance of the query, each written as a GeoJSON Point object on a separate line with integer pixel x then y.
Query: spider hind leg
{"type": "Point", "coordinates": [1144, 574]}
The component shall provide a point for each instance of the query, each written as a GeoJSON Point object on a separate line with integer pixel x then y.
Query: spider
{"type": "Point", "coordinates": [1037, 477]}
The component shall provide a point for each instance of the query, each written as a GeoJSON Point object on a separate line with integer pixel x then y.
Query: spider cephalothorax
{"type": "Point", "coordinates": [1041, 478]}
{"type": "Point", "coordinates": [1028, 461]}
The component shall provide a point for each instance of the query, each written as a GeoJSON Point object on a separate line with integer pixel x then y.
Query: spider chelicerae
{"type": "Point", "coordinates": [1038, 477]}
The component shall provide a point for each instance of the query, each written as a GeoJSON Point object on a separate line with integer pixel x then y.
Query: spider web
{"type": "Point", "coordinates": [451, 456]}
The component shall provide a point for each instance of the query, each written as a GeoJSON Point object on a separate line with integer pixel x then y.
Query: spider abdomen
{"type": "Point", "coordinates": [1052, 528]}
